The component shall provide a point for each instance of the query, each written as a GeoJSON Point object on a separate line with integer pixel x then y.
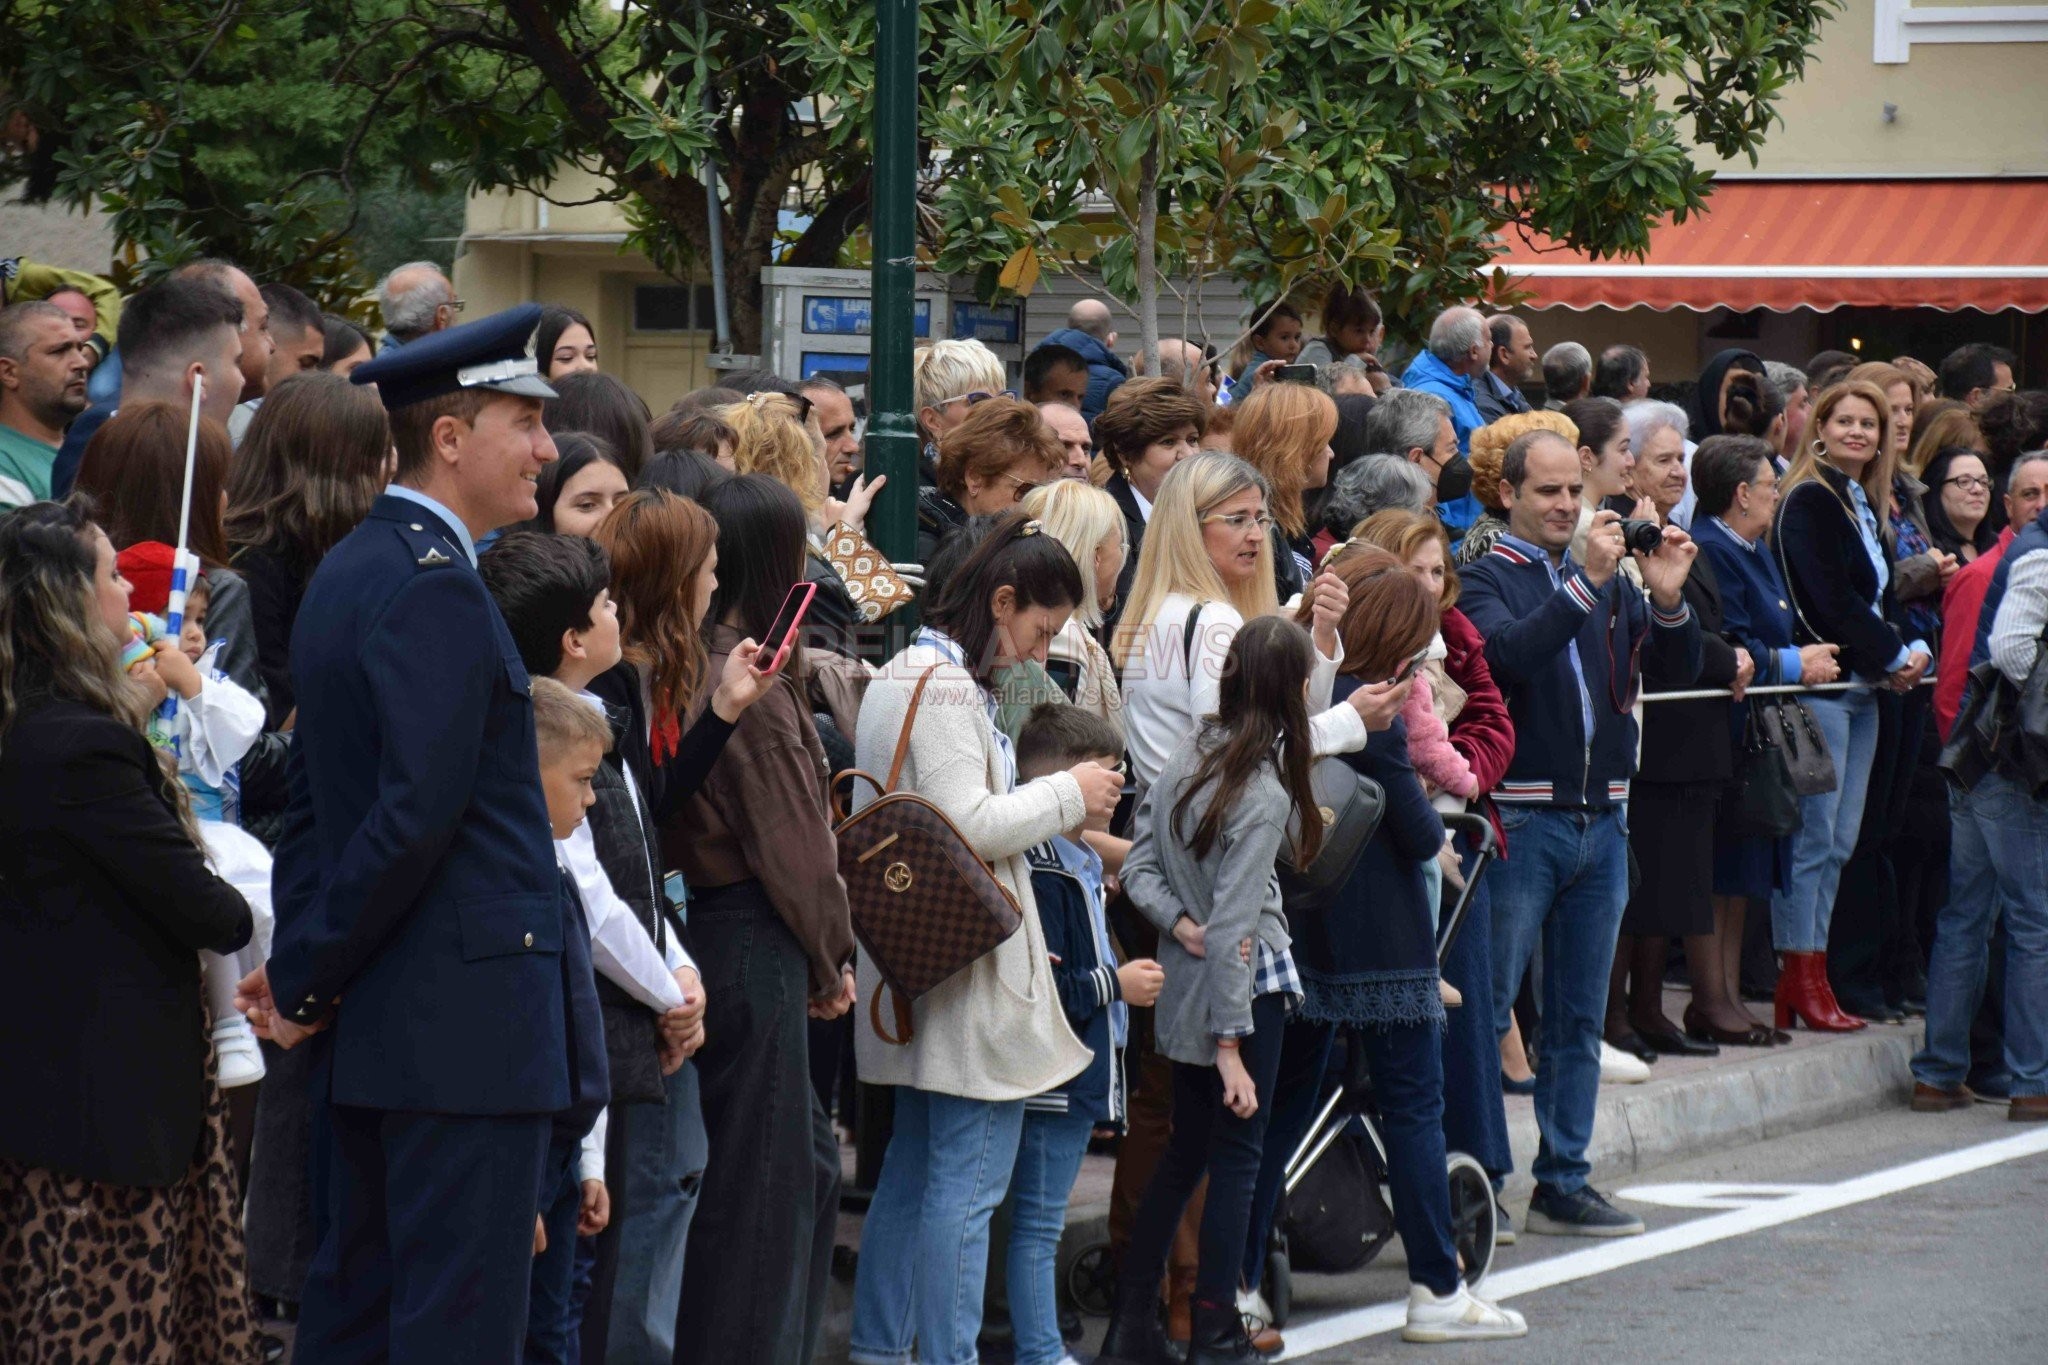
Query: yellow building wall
{"type": "Point", "coordinates": [1960, 108]}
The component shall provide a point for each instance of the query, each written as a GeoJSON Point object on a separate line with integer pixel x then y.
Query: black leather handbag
{"type": "Point", "coordinates": [1788, 724]}
{"type": "Point", "coordinates": [1350, 805]}
{"type": "Point", "coordinates": [1762, 802]}
{"type": "Point", "coordinates": [2001, 728]}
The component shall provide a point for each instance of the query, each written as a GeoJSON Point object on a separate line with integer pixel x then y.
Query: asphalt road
{"type": "Point", "coordinates": [1882, 1254]}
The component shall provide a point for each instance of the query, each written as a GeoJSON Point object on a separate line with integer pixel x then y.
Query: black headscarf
{"type": "Point", "coordinates": [1703, 413]}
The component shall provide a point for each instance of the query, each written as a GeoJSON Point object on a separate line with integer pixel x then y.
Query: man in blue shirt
{"type": "Point", "coordinates": [1457, 352]}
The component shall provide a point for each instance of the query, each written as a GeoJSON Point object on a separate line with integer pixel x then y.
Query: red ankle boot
{"type": "Point", "coordinates": [1803, 994]}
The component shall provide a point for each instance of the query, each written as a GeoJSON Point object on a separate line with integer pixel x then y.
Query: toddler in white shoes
{"type": "Point", "coordinates": [1458, 1316]}
{"type": "Point", "coordinates": [215, 723]}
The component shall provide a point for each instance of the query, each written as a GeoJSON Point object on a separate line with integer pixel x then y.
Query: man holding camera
{"type": "Point", "coordinates": [1566, 642]}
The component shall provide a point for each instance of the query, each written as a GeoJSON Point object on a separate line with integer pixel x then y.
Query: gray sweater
{"type": "Point", "coordinates": [1233, 893]}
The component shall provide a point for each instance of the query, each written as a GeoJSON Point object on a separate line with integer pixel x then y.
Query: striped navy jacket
{"type": "Point", "coordinates": [1569, 657]}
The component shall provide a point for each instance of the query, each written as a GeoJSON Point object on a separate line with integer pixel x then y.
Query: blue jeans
{"type": "Point", "coordinates": [1998, 861]}
{"type": "Point", "coordinates": [1408, 1086]}
{"type": "Point", "coordinates": [1475, 1115]}
{"type": "Point", "coordinates": [655, 1187]}
{"type": "Point", "coordinates": [1829, 825]}
{"type": "Point", "coordinates": [1048, 1158]}
{"type": "Point", "coordinates": [1564, 884]}
{"type": "Point", "coordinates": [924, 1248]}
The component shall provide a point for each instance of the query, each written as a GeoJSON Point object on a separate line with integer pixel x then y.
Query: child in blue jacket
{"type": "Point", "coordinates": [1066, 878]}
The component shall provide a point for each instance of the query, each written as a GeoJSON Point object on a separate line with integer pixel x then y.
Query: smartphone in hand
{"type": "Point", "coordinates": [781, 635]}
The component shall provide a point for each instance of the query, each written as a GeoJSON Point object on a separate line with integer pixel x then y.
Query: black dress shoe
{"type": "Point", "coordinates": [1672, 1043]}
{"type": "Point", "coordinates": [1631, 1042]}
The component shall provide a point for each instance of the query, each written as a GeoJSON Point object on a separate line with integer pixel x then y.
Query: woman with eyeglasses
{"type": "Point", "coordinates": [1959, 517]}
{"type": "Point", "coordinates": [997, 453]}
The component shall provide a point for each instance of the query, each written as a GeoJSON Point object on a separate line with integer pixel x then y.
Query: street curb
{"type": "Point", "coordinates": [1774, 1093]}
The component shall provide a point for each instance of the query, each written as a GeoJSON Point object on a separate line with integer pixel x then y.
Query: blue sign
{"type": "Point", "coordinates": [847, 315]}
{"type": "Point", "coordinates": [1000, 322]}
{"type": "Point", "coordinates": [835, 363]}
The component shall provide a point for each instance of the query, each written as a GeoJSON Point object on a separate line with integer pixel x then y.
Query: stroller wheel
{"type": "Point", "coordinates": [1279, 1287]}
{"type": "Point", "coordinates": [1472, 1216]}
{"type": "Point", "coordinates": [1091, 1281]}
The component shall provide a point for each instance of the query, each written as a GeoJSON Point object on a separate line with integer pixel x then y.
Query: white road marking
{"type": "Point", "coordinates": [1308, 1338]}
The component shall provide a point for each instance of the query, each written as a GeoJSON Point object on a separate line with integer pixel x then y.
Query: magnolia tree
{"type": "Point", "coordinates": [1163, 143]}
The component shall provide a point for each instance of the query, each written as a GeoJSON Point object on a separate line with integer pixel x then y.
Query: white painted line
{"type": "Point", "coordinates": [1307, 1338]}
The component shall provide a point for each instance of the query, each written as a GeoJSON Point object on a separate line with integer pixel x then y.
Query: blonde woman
{"type": "Point", "coordinates": [1284, 431]}
{"type": "Point", "coordinates": [1208, 555]}
{"type": "Point", "coordinates": [773, 436]}
{"type": "Point", "coordinates": [1090, 524]}
{"type": "Point", "coordinates": [1831, 539]}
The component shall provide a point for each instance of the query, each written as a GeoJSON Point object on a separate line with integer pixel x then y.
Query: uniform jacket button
{"type": "Point", "coordinates": [529, 940]}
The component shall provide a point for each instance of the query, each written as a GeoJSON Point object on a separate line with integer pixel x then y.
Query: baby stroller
{"type": "Point", "coordinates": [1334, 1215]}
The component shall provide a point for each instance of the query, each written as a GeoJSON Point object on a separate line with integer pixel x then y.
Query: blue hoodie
{"type": "Point", "coordinates": [1105, 370]}
{"type": "Point", "coordinates": [1433, 376]}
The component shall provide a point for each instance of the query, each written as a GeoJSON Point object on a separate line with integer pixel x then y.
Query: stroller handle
{"type": "Point", "coordinates": [1480, 830]}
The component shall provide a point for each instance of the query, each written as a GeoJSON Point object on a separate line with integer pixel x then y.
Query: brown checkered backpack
{"type": "Point", "coordinates": [925, 906]}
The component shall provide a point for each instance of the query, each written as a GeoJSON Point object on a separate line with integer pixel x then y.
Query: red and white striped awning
{"type": "Point", "coordinates": [1819, 244]}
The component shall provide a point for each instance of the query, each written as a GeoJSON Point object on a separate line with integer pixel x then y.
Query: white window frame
{"type": "Point", "coordinates": [1900, 24]}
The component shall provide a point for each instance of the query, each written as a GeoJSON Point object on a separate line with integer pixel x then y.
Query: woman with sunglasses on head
{"type": "Point", "coordinates": [987, 462]}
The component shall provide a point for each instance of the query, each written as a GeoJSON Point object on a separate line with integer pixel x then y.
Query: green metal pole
{"type": "Point", "coordinates": [892, 445]}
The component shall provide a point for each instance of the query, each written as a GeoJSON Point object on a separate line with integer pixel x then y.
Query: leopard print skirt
{"type": "Point", "coordinates": [126, 1273]}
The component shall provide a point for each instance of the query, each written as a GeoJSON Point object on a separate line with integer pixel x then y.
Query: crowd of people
{"type": "Point", "coordinates": [406, 757]}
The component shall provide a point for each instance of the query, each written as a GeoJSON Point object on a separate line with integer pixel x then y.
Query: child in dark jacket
{"type": "Point", "coordinates": [1066, 878]}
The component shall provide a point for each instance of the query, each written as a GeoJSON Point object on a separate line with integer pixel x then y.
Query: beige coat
{"type": "Point", "coordinates": [995, 1031]}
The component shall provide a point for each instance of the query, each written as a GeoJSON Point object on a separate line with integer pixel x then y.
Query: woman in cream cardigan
{"type": "Point", "coordinates": [984, 1041]}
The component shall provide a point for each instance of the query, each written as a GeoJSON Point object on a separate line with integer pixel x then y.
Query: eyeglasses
{"type": "Point", "coordinates": [1969, 483]}
{"type": "Point", "coordinates": [455, 305]}
{"type": "Point", "coordinates": [1239, 522]}
{"type": "Point", "coordinates": [1025, 488]}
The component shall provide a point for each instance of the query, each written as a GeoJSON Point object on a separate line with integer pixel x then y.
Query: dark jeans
{"type": "Point", "coordinates": [1873, 940]}
{"type": "Point", "coordinates": [1408, 1089]}
{"type": "Point", "coordinates": [1475, 1116]}
{"type": "Point", "coordinates": [1296, 1095]}
{"type": "Point", "coordinates": [554, 1270]}
{"type": "Point", "coordinates": [1208, 1137]}
{"type": "Point", "coordinates": [754, 1282]}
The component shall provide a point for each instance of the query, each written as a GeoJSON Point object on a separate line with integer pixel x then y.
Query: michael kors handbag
{"type": "Point", "coordinates": [925, 906]}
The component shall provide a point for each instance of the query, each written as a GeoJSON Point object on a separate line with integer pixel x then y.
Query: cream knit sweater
{"type": "Point", "coordinates": [995, 1031]}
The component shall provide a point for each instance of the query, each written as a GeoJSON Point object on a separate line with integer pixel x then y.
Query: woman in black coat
{"type": "Point", "coordinates": [113, 1139]}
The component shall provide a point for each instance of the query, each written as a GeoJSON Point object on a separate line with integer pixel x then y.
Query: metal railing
{"type": "Point", "coordinates": [1709, 693]}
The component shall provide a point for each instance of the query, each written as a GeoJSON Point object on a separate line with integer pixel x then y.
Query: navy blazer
{"type": "Point", "coordinates": [1831, 578]}
{"type": "Point", "coordinates": [416, 879]}
{"type": "Point", "coordinates": [1755, 611]}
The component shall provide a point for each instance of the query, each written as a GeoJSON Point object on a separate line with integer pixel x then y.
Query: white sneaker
{"type": "Point", "coordinates": [1459, 1316]}
{"type": "Point", "coordinates": [1251, 1304]}
{"type": "Point", "coordinates": [1618, 1068]}
{"type": "Point", "coordinates": [234, 1047]}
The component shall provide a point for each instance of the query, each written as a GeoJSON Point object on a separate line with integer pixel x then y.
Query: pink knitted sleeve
{"type": "Point", "coordinates": [1430, 748]}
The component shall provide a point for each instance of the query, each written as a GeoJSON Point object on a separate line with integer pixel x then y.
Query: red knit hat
{"type": "Point", "coordinates": [147, 567]}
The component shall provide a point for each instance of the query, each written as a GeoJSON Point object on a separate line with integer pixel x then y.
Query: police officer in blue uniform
{"type": "Point", "coordinates": [423, 927]}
